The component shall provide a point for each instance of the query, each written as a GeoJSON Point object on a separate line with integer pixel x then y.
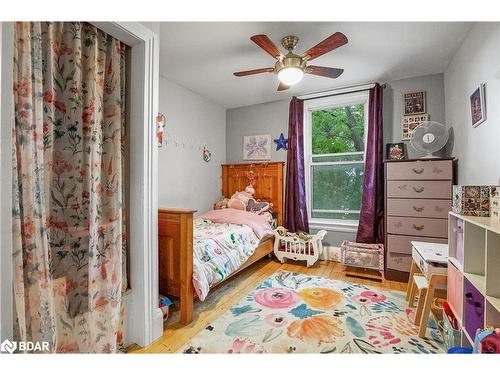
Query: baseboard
{"type": "Point", "coordinates": [331, 253]}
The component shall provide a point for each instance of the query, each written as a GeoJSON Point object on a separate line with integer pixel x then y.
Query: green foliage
{"type": "Point", "coordinates": [337, 187]}
{"type": "Point", "coordinates": [339, 129]}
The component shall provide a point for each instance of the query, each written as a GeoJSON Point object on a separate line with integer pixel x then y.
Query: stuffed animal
{"type": "Point", "coordinates": [282, 231]}
{"type": "Point", "coordinates": [239, 200]}
{"type": "Point", "coordinates": [221, 203]}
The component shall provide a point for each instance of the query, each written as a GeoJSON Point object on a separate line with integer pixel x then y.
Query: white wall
{"type": "Point", "coordinates": [477, 61]}
{"type": "Point", "coordinates": [184, 179]}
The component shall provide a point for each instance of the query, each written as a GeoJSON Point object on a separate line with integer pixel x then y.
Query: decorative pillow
{"type": "Point", "coordinates": [257, 207]}
{"type": "Point", "coordinates": [239, 200]}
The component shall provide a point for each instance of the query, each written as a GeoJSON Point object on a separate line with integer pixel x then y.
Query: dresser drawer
{"type": "Point", "coordinates": [419, 189]}
{"type": "Point", "coordinates": [398, 261]}
{"type": "Point", "coordinates": [402, 244]}
{"type": "Point", "coordinates": [434, 208]}
{"type": "Point", "coordinates": [420, 170]}
{"type": "Point", "coordinates": [414, 226]}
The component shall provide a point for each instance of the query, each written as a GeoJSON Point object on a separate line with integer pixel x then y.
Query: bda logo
{"type": "Point", "coordinates": [8, 346]}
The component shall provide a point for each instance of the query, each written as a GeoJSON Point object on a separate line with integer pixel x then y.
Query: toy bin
{"type": "Point", "coordinates": [452, 336]}
{"type": "Point", "coordinates": [362, 255]}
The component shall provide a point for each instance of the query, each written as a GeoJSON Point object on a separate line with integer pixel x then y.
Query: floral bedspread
{"type": "Point", "coordinates": [218, 251]}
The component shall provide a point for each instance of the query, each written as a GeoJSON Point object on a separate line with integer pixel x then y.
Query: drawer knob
{"type": "Point", "coordinates": [418, 209]}
{"type": "Point", "coordinates": [418, 189]}
{"type": "Point", "coordinates": [418, 171]}
{"type": "Point", "coordinates": [418, 227]}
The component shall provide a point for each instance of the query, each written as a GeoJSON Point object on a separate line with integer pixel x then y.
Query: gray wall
{"type": "Point", "coordinates": [477, 61]}
{"type": "Point", "coordinates": [272, 118]}
{"type": "Point", "coordinates": [433, 85]}
{"type": "Point", "coordinates": [268, 118]}
{"type": "Point", "coordinates": [184, 179]}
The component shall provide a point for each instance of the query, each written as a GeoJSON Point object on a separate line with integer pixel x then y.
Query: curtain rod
{"type": "Point", "coordinates": [339, 91]}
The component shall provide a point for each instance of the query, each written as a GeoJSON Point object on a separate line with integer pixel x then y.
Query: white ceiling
{"type": "Point", "coordinates": [201, 56]}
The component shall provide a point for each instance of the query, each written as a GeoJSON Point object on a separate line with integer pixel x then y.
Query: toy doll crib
{"type": "Point", "coordinates": [290, 246]}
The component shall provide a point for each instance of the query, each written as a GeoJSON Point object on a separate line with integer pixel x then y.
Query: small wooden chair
{"type": "Point", "coordinates": [436, 284]}
{"type": "Point", "coordinates": [419, 283]}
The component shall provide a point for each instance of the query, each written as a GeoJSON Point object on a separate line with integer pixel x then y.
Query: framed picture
{"type": "Point", "coordinates": [409, 123]}
{"type": "Point", "coordinates": [414, 103]}
{"type": "Point", "coordinates": [478, 106]}
{"type": "Point", "coordinates": [257, 147]}
{"type": "Point", "coordinates": [396, 151]}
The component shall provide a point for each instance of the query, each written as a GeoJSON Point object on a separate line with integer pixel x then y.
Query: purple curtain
{"type": "Point", "coordinates": [371, 220]}
{"type": "Point", "coordinates": [295, 189]}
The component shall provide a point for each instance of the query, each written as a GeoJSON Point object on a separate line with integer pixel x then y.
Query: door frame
{"type": "Point", "coordinates": [143, 317]}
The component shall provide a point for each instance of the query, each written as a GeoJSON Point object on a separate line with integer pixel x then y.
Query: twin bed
{"type": "Point", "coordinates": [198, 254]}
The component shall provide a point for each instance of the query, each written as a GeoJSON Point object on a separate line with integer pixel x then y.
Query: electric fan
{"type": "Point", "coordinates": [429, 137]}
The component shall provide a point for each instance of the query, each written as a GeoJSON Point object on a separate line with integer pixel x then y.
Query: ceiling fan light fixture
{"type": "Point", "coordinates": [290, 75]}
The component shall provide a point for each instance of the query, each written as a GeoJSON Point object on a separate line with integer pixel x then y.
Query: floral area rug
{"type": "Point", "coordinates": [296, 313]}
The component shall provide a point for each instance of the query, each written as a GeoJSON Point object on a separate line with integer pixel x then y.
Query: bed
{"type": "Point", "coordinates": [180, 233]}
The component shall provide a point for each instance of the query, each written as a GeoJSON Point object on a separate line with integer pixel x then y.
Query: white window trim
{"type": "Point", "coordinates": [350, 226]}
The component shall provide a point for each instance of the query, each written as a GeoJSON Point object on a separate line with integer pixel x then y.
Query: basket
{"type": "Point", "coordinates": [362, 255]}
{"type": "Point", "coordinates": [289, 246]}
{"type": "Point", "coordinates": [452, 337]}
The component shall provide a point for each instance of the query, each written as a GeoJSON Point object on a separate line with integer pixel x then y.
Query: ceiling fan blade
{"type": "Point", "coordinates": [267, 45]}
{"type": "Point", "coordinates": [283, 87]}
{"type": "Point", "coordinates": [324, 71]}
{"type": "Point", "coordinates": [329, 44]}
{"type": "Point", "coordinates": [253, 71]}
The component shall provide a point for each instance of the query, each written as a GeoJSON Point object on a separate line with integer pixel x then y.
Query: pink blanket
{"type": "Point", "coordinates": [259, 224]}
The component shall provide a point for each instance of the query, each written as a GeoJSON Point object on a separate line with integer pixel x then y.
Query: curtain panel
{"type": "Point", "coordinates": [295, 189]}
{"type": "Point", "coordinates": [371, 221]}
{"type": "Point", "coordinates": [69, 237]}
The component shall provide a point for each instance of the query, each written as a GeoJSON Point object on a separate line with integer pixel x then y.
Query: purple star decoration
{"type": "Point", "coordinates": [281, 143]}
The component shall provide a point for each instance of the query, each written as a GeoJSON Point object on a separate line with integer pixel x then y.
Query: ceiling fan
{"type": "Point", "coordinates": [291, 67]}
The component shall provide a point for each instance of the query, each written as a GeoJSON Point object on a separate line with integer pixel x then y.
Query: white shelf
{"type": "Point", "coordinates": [480, 266]}
{"type": "Point", "coordinates": [495, 302]}
{"type": "Point", "coordinates": [456, 263]}
{"type": "Point", "coordinates": [464, 331]}
{"type": "Point", "coordinates": [479, 281]}
{"type": "Point", "coordinates": [483, 222]}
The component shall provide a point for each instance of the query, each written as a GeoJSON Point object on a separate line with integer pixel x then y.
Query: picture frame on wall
{"type": "Point", "coordinates": [478, 106]}
{"type": "Point", "coordinates": [414, 103]}
{"type": "Point", "coordinates": [409, 123]}
{"type": "Point", "coordinates": [396, 151]}
{"type": "Point", "coordinates": [257, 147]}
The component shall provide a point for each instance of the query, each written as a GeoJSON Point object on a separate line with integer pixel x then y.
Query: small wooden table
{"type": "Point", "coordinates": [431, 260]}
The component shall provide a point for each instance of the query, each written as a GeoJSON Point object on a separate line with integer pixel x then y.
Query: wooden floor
{"type": "Point", "coordinates": [227, 295]}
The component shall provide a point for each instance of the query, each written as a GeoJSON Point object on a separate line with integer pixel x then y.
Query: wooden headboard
{"type": "Point", "coordinates": [266, 178]}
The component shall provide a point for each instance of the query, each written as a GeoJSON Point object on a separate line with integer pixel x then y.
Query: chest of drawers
{"type": "Point", "coordinates": [418, 196]}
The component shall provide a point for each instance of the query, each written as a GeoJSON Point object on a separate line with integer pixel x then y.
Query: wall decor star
{"type": "Point", "coordinates": [281, 142]}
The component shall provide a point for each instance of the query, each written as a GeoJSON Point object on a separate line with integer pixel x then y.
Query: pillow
{"type": "Point", "coordinates": [239, 200]}
{"type": "Point", "coordinates": [257, 207]}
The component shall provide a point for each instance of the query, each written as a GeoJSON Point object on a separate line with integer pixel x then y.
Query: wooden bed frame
{"type": "Point", "coordinates": [175, 230]}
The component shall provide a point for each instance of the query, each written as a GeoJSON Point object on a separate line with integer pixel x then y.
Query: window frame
{"type": "Point", "coordinates": [310, 106]}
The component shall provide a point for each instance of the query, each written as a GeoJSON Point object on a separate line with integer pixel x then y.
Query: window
{"type": "Point", "coordinates": [334, 137]}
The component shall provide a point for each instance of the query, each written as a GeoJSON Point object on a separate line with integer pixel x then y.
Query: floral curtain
{"type": "Point", "coordinates": [69, 237]}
